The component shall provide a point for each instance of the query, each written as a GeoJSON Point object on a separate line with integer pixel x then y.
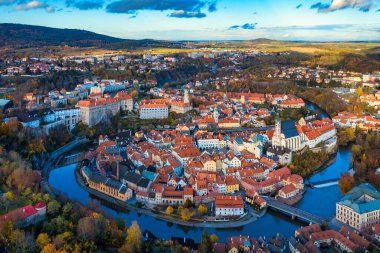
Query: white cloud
{"type": "Point", "coordinates": [32, 5]}
{"type": "Point", "coordinates": [335, 5]}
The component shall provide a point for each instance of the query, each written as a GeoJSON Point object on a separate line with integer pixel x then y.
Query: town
{"type": "Point", "coordinates": [166, 146]}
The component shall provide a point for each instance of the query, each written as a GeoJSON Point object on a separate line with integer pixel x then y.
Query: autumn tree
{"type": "Point", "coordinates": [93, 228]}
{"type": "Point", "coordinates": [42, 240]}
{"type": "Point", "coordinates": [214, 238]}
{"type": "Point", "coordinates": [346, 183]}
{"type": "Point", "coordinates": [202, 209]}
{"type": "Point", "coordinates": [169, 210]}
{"type": "Point", "coordinates": [9, 196]}
{"type": "Point", "coordinates": [179, 210]}
{"type": "Point", "coordinates": [134, 236]}
{"type": "Point", "coordinates": [346, 136]}
{"type": "Point", "coordinates": [186, 214]}
{"type": "Point", "coordinates": [49, 248]}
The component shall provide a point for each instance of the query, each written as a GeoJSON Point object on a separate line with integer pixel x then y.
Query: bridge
{"type": "Point", "coordinates": [294, 212]}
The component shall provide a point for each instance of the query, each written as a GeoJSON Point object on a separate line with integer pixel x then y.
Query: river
{"type": "Point", "coordinates": [319, 201]}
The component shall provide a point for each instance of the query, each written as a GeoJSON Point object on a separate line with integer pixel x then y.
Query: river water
{"type": "Point", "coordinates": [319, 201]}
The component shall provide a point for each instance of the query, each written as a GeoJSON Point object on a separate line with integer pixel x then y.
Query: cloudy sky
{"type": "Point", "coordinates": [316, 20]}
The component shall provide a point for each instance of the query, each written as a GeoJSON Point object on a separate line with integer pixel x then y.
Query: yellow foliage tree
{"type": "Point", "coordinates": [42, 240]}
{"type": "Point", "coordinates": [134, 236]}
{"type": "Point", "coordinates": [214, 238]}
{"type": "Point", "coordinates": [180, 209]}
{"type": "Point", "coordinates": [186, 214]}
{"type": "Point", "coordinates": [49, 248]}
{"type": "Point", "coordinates": [9, 196]}
{"type": "Point", "coordinates": [169, 210]}
{"type": "Point", "coordinates": [202, 209]}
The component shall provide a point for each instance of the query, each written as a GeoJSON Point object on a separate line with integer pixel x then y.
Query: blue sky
{"type": "Point", "coordinates": [317, 20]}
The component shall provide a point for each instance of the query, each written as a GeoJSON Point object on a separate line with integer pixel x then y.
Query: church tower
{"type": "Point", "coordinates": [216, 114]}
{"type": "Point", "coordinates": [277, 130]}
{"type": "Point", "coordinates": [277, 140]}
{"type": "Point", "coordinates": [186, 98]}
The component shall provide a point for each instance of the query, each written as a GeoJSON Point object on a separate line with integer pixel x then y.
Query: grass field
{"type": "Point", "coordinates": [321, 53]}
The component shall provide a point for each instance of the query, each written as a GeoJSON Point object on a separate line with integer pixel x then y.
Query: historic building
{"type": "Point", "coordinates": [360, 207]}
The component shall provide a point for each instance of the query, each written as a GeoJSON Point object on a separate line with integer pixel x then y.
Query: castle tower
{"type": "Point", "coordinates": [186, 98]}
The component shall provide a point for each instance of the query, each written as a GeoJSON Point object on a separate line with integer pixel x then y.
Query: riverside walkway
{"type": "Point", "coordinates": [294, 212]}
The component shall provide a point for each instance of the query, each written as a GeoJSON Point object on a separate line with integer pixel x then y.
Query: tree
{"type": "Point", "coordinates": [53, 207]}
{"type": "Point", "coordinates": [169, 210]}
{"type": "Point", "coordinates": [92, 228]}
{"type": "Point", "coordinates": [24, 242]}
{"type": "Point", "coordinates": [134, 236]}
{"type": "Point", "coordinates": [205, 245]}
{"type": "Point", "coordinates": [346, 136]}
{"type": "Point", "coordinates": [186, 214]}
{"type": "Point", "coordinates": [42, 240]}
{"type": "Point", "coordinates": [214, 238]}
{"type": "Point", "coordinates": [9, 196]}
{"type": "Point", "coordinates": [359, 92]}
{"type": "Point", "coordinates": [346, 183]}
{"type": "Point", "coordinates": [134, 93]}
{"type": "Point", "coordinates": [202, 209]}
{"type": "Point", "coordinates": [66, 209]}
{"type": "Point", "coordinates": [49, 248]}
{"type": "Point", "coordinates": [188, 204]}
{"type": "Point", "coordinates": [179, 210]}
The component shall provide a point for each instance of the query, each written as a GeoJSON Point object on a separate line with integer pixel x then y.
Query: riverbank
{"type": "Point", "coordinates": [245, 220]}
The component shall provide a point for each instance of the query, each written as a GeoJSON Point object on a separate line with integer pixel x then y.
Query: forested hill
{"type": "Point", "coordinates": [24, 36]}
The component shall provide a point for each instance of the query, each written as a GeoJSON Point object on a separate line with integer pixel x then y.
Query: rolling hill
{"type": "Point", "coordinates": [26, 36]}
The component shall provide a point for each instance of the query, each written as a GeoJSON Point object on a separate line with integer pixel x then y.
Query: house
{"type": "Point", "coordinates": [283, 154]}
{"type": "Point", "coordinates": [27, 215]}
{"type": "Point", "coordinates": [288, 191]}
{"type": "Point", "coordinates": [153, 109]}
{"type": "Point", "coordinates": [227, 206]}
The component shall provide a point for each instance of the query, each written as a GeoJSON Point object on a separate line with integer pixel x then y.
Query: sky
{"type": "Point", "coordinates": [308, 20]}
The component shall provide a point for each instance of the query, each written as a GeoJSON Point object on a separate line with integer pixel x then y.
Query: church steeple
{"type": "Point", "coordinates": [216, 114]}
{"type": "Point", "coordinates": [278, 124]}
{"type": "Point", "coordinates": [277, 136]}
{"type": "Point", "coordinates": [186, 98]}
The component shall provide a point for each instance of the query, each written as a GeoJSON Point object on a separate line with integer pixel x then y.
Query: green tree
{"type": "Point", "coordinates": [53, 207]}
{"type": "Point", "coordinates": [188, 204]}
{"type": "Point", "coordinates": [205, 245]}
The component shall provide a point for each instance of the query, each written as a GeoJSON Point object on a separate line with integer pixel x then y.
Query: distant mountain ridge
{"type": "Point", "coordinates": [25, 36]}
